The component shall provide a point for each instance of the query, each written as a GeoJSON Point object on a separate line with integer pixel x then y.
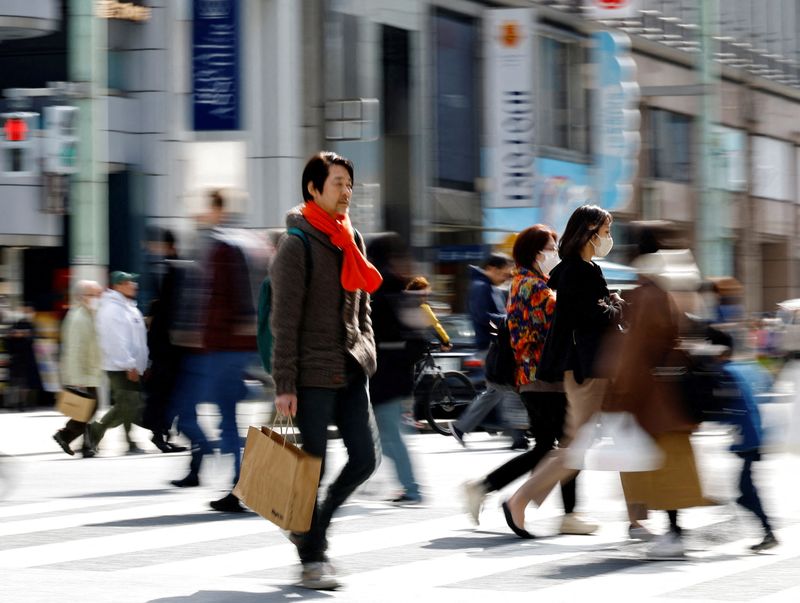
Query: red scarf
{"type": "Point", "coordinates": [357, 272]}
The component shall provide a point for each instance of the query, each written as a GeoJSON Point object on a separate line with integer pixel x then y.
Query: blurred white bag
{"type": "Point", "coordinates": [613, 441]}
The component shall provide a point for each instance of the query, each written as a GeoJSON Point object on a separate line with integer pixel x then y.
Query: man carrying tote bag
{"type": "Point", "coordinates": [80, 366]}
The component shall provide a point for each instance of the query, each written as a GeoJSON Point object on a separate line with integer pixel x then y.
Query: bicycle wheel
{"type": "Point", "coordinates": [447, 398]}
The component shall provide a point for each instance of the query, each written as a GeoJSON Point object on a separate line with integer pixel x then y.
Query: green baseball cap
{"type": "Point", "coordinates": [118, 277]}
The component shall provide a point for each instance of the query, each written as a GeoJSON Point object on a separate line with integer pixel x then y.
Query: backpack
{"type": "Point", "coordinates": [697, 377]}
{"type": "Point", "coordinates": [501, 366]}
{"type": "Point", "coordinates": [264, 333]}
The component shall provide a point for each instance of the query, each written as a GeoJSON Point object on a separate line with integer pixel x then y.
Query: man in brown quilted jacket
{"type": "Point", "coordinates": [324, 350]}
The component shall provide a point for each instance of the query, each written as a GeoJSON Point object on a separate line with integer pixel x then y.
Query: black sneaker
{"type": "Point", "coordinates": [63, 443]}
{"type": "Point", "coordinates": [457, 434]}
{"type": "Point", "coordinates": [228, 504]}
{"type": "Point", "coordinates": [404, 500]}
{"type": "Point", "coordinates": [769, 542]}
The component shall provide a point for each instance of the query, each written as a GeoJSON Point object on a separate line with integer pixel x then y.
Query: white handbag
{"type": "Point", "coordinates": [613, 441]}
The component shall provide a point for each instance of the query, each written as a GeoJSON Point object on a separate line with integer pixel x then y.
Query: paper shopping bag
{"type": "Point", "coordinates": [76, 406]}
{"type": "Point", "coordinates": [278, 480]}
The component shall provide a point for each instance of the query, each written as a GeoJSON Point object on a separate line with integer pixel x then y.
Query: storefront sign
{"type": "Point", "coordinates": [616, 120]}
{"type": "Point", "coordinates": [510, 107]}
{"type": "Point", "coordinates": [125, 11]}
{"type": "Point", "coordinates": [560, 187]}
{"type": "Point", "coordinates": [215, 65]}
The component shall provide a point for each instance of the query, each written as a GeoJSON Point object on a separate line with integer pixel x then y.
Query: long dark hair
{"type": "Point", "coordinates": [584, 223]}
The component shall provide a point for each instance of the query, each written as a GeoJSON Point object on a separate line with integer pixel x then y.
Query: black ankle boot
{"type": "Point", "coordinates": [193, 479]}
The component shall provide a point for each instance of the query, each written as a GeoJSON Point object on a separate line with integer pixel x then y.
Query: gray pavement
{"type": "Point", "coordinates": [111, 529]}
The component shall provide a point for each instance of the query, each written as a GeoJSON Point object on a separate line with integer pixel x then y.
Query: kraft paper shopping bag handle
{"type": "Point", "coordinates": [286, 423]}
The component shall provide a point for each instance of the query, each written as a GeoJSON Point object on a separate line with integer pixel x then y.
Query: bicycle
{"type": "Point", "coordinates": [441, 395]}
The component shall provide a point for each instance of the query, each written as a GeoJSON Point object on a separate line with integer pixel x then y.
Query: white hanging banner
{"type": "Point", "coordinates": [612, 9]}
{"type": "Point", "coordinates": [509, 94]}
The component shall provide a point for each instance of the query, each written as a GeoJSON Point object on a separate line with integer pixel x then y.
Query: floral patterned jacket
{"type": "Point", "coordinates": [531, 304]}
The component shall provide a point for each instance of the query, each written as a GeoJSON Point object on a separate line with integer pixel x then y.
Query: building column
{"type": "Point", "coordinates": [87, 50]}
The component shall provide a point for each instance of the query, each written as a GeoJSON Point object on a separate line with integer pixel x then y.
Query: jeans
{"type": "Point", "coordinates": [481, 406]}
{"type": "Point", "coordinates": [216, 377]}
{"type": "Point", "coordinates": [547, 411]}
{"type": "Point", "coordinates": [349, 409]}
{"type": "Point", "coordinates": [388, 417]}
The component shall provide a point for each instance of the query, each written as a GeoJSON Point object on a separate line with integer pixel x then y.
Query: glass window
{"type": "Point", "coordinates": [456, 114]}
{"type": "Point", "coordinates": [670, 146]}
{"type": "Point", "coordinates": [563, 121]}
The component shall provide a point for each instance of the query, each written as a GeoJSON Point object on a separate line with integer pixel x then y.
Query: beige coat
{"type": "Point", "coordinates": [80, 351]}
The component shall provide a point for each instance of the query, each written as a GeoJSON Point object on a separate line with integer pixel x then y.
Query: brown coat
{"type": "Point", "coordinates": [651, 336]}
{"type": "Point", "coordinates": [316, 330]}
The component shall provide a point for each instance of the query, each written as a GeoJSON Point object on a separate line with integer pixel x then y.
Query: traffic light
{"type": "Point", "coordinates": [18, 144]}
{"type": "Point", "coordinates": [61, 141]}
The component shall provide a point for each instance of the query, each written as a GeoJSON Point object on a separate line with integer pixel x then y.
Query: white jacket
{"type": "Point", "coordinates": [122, 334]}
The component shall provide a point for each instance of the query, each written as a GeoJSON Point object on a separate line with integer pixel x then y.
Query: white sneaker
{"type": "Point", "coordinates": [318, 575]}
{"type": "Point", "coordinates": [665, 547]}
{"type": "Point", "coordinates": [572, 523]}
{"type": "Point", "coordinates": [640, 533]}
{"type": "Point", "coordinates": [474, 492]}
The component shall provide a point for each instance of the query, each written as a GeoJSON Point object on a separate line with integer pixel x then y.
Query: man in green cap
{"type": "Point", "coordinates": [123, 342]}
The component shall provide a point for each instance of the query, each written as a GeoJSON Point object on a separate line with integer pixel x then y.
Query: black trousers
{"type": "Point", "coordinates": [74, 428]}
{"type": "Point", "coordinates": [547, 411]}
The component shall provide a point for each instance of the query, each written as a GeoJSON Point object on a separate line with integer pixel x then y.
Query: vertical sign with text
{"type": "Point", "coordinates": [215, 65]}
{"type": "Point", "coordinates": [510, 123]}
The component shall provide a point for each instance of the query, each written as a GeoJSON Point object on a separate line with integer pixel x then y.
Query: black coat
{"type": "Point", "coordinates": [398, 345]}
{"type": "Point", "coordinates": [584, 316]}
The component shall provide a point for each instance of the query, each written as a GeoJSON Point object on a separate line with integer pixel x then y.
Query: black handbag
{"type": "Point", "coordinates": [501, 367]}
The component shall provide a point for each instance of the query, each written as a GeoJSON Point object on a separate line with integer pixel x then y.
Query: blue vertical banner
{"type": "Point", "coordinates": [215, 65]}
{"type": "Point", "coordinates": [616, 120]}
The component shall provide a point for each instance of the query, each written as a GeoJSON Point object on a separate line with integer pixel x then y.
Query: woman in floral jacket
{"type": "Point", "coordinates": [531, 304]}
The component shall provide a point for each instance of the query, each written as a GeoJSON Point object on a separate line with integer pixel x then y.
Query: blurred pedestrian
{"type": "Point", "coordinates": [585, 312]}
{"type": "Point", "coordinates": [742, 380]}
{"type": "Point", "coordinates": [324, 348]}
{"type": "Point", "coordinates": [24, 381]}
{"type": "Point", "coordinates": [165, 358]}
{"type": "Point", "coordinates": [651, 340]}
{"type": "Point", "coordinates": [398, 348]}
{"type": "Point", "coordinates": [531, 304]}
{"type": "Point", "coordinates": [487, 303]}
{"type": "Point", "coordinates": [215, 370]}
{"type": "Point", "coordinates": [123, 342]}
{"type": "Point", "coordinates": [80, 360]}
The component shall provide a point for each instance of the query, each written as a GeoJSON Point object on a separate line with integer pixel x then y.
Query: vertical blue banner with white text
{"type": "Point", "coordinates": [215, 65]}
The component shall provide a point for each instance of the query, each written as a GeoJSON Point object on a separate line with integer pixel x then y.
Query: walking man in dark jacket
{"type": "Point", "coordinates": [487, 304]}
{"type": "Point", "coordinates": [324, 348]}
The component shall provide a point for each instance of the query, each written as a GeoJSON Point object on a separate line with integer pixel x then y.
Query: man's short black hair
{"type": "Point", "coordinates": [317, 170]}
{"type": "Point", "coordinates": [497, 260]}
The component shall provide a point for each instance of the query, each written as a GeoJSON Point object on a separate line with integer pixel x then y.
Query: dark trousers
{"type": "Point", "coordinates": [74, 429]}
{"type": "Point", "coordinates": [749, 498]}
{"type": "Point", "coordinates": [214, 377]}
{"type": "Point", "coordinates": [159, 413]}
{"type": "Point", "coordinates": [547, 411]}
{"type": "Point", "coordinates": [349, 409]}
{"type": "Point", "coordinates": [126, 407]}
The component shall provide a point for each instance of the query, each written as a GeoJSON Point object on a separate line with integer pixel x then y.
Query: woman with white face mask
{"type": "Point", "coordinates": [530, 308]}
{"type": "Point", "coordinates": [585, 312]}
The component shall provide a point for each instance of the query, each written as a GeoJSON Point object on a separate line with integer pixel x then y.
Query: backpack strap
{"type": "Point", "coordinates": [293, 230]}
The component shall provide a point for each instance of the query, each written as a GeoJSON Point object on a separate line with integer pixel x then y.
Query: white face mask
{"type": "Point", "coordinates": [603, 248]}
{"type": "Point", "coordinates": [549, 261]}
{"type": "Point", "coordinates": [92, 303]}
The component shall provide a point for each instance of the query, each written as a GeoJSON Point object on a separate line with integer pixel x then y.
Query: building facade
{"type": "Point", "coordinates": [406, 90]}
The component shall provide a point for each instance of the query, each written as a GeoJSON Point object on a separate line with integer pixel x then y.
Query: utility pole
{"type": "Point", "coordinates": [88, 50]}
{"type": "Point", "coordinates": [713, 244]}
